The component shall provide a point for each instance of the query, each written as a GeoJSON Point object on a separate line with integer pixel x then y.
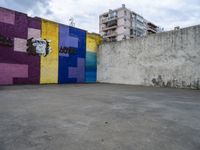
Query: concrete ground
{"type": "Point", "coordinates": [98, 117]}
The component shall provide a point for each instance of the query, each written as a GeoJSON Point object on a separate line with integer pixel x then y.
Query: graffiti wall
{"type": "Point", "coordinates": [93, 40]}
{"type": "Point", "coordinates": [16, 65]}
{"type": "Point", "coordinates": [38, 51]}
{"type": "Point", "coordinates": [49, 64]}
{"type": "Point", "coordinates": [72, 49]}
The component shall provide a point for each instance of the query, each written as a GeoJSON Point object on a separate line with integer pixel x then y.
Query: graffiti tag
{"type": "Point", "coordinates": [38, 46]}
{"type": "Point", "coordinates": [6, 41]}
{"type": "Point", "coordinates": [67, 50]}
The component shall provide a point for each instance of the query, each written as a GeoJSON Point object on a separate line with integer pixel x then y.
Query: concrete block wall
{"type": "Point", "coordinates": [169, 59]}
{"type": "Point", "coordinates": [19, 67]}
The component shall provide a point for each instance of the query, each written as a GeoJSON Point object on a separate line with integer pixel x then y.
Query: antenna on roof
{"type": "Point", "coordinates": [71, 22]}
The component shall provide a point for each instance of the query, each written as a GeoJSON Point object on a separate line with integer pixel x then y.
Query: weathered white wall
{"type": "Point", "coordinates": [169, 59]}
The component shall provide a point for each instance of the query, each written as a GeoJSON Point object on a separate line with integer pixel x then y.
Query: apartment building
{"type": "Point", "coordinates": [123, 23]}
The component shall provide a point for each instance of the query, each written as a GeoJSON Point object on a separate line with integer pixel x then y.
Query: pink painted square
{"type": "Point", "coordinates": [35, 33]}
{"type": "Point", "coordinates": [20, 45]}
{"type": "Point", "coordinates": [10, 71]}
{"type": "Point", "coordinates": [7, 16]}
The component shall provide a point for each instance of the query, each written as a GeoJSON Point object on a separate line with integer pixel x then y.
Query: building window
{"type": "Point", "coordinates": [131, 32]}
{"type": "Point", "coordinates": [125, 20]}
{"type": "Point", "coordinates": [125, 13]}
{"type": "Point", "coordinates": [112, 15]}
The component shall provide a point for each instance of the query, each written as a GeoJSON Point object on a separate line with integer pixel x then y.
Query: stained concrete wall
{"type": "Point", "coordinates": [169, 59]}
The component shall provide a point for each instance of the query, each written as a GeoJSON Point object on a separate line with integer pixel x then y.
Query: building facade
{"type": "Point", "coordinates": [122, 23]}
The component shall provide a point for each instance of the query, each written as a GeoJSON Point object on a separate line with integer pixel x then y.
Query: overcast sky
{"type": "Point", "coordinates": [164, 13]}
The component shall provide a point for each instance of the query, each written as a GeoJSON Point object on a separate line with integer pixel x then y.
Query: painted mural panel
{"type": "Point", "coordinates": [34, 51]}
{"type": "Point", "coordinates": [7, 16]}
{"type": "Point", "coordinates": [72, 51]}
{"type": "Point", "coordinates": [16, 66]}
{"type": "Point", "coordinates": [93, 40]}
{"type": "Point", "coordinates": [49, 64]}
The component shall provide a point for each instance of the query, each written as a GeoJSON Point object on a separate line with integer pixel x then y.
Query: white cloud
{"type": "Point", "coordinates": [167, 13]}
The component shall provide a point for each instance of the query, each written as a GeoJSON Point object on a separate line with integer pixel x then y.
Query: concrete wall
{"type": "Point", "coordinates": [65, 64]}
{"type": "Point", "coordinates": [169, 59]}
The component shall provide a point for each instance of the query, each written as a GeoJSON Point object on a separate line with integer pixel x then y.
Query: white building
{"type": "Point", "coordinates": [123, 23]}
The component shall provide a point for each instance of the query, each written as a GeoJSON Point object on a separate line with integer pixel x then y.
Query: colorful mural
{"type": "Point", "coordinates": [16, 66]}
{"type": "Point", "coordinates": [38, 46]}
{"type": "Point", "coordinates": [49, 64]}
{"type": "Point", "coordinates": [71, 65]}
{"type": "Point", "coordinates": [38, 51]}
{"type": "Point", "coordinates": [93, 40]}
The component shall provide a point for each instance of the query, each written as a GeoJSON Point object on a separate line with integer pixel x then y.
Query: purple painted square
{"type": "Point", "coordinates": [21, 25]}
{"type": "Point", "coordinates": [7, 16]}
{"type": "Point", "coordinates": [20, 57]}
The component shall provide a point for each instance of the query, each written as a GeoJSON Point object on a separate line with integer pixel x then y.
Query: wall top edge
{"type": "Point", "coordinates": [41, 18]}
{"type": "Point", "coordinates": [156, 35]}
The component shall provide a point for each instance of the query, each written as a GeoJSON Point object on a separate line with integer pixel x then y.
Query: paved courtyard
{"type": "Point", "coordinates": [98, 117]}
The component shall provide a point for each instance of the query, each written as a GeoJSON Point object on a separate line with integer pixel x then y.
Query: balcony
{"type": "Point", "coordinates": [112, 23]}
{"type": "Point", "coordinates": [104, 20]}
{"type": "Point", "coordinates": [110, 34]}
{"type": "Point", "coordinates": [107, 19]}
{"type": "Point", "coordinates": [109, 28]}
{"type": "Point", "coordinates": [152, 29]}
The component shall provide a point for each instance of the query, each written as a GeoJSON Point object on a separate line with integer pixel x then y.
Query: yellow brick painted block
{"type": "Point", "coordinates": [49, 64]}
{"type": "Point", "coordinates": [92, 41]}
